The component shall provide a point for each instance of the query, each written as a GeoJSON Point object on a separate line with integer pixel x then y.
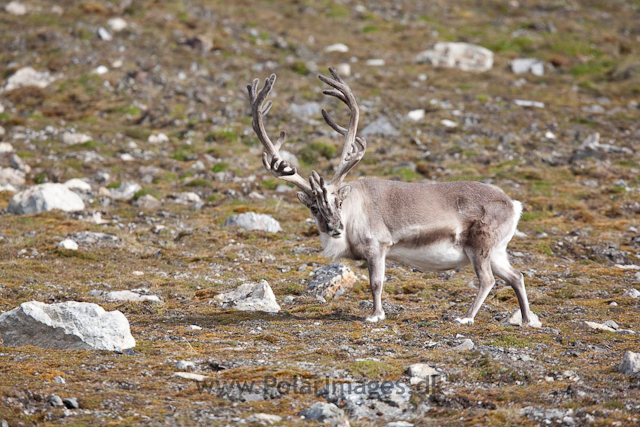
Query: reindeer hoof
{"type": "Point", "coordinates": [464, 321]}
{"type": "Point", "coordinates": [374, 318]}
{"type": "Point", "coordinates": [534, 322]}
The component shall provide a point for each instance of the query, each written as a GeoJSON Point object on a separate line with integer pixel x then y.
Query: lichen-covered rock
{"type": "Point", "coordinates": [331, 281]}
{"type": "Point", "coordinates": [250, 297]}
{"type": "Point", "coordinates": [630, 364]}
{"type": "Point", "coordinates": [323, 412]}
{"type": "Point", "coordinates": [69, 325]}
{"type": "Point", "coordinates": [253, 221]}
{"type": "Point", "coordinates": [92, 237]}
{"type": "Point", "coordinates": [43, 198]}
{"type": "Point", "coordinates": [463, 56]}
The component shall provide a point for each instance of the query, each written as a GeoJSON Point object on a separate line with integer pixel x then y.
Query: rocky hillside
{"type": "Point", "coordinates": [134, 208]}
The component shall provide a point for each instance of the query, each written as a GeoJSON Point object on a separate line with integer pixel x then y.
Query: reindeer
{"type": "Point", "coordinates": [430, 227]}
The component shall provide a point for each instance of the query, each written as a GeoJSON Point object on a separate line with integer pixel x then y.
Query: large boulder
{"type": "Point", "coordinates": [11, 176]}
{"type": "Point", "coordinates": [69, 325]}
{"type": "Point", "coordinates": [253, 221]}
{"type": "Point", "coordinates": [250, 297]}
{"type": "Point", "coordinates": [27, 76]}
{"type": "Point", "coordinates": [463, 56]}
{"type": "Point", "coordinates": [630, 364]}
{"type": "Point", "coordinates": [331, 281]}
{"type": "Point", "coordinates": [45, 197]}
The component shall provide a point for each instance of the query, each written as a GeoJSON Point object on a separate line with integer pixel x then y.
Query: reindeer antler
{"type": "Point", "coordinates": [354, 146]}
{"type": "Point", "coordinates": [276, 165]}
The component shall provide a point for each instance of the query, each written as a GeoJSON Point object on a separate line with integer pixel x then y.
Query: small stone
{"type": "Point", "coordinates": [270, 419]}
{"type": "Point", "coordinates": [289, 299]}
{"type": "Point", "coordinates": [465, 345]}
{"type": "Point", "coordinates": [59, 380]}
{"type": "Point", "coordinates": [45, 197]}
{"type": "Point", "coordinates": [527, 65]}
{"type": "Point", "coordinates": [101, 69]}
{"type": "Point", "coordinates": [148, 203]}
{"type": "Point", "coordinates": [11, 176]}
{"type": "Point", "coordinates": [337, 47]}
{"type": "Point", "coordinates": [421, 370]}
{"type": "Point", "coordinates": [399, 424]}
{"type": "Point", "coordinates": [134, 295]}
{"type": "Point", "coordinates": [250, 297]}
{"type": "Point", "coordinates": [71, 403]}
{"type": "Point", "coordinates": [549, 135]}
{"type": "Point", "coordinates": [68, 244]}
{"type": "Point", "coordinates": [328, 280]}
{"type": "Point", "coordinates": [323, 412]}
{"type": "Point", "coordinates": [190, 376]}
{"type": "Point", "coordinates": [343, 69]}
{"type": "Point", "coordinates": [611, 324]}
{"type": "Point", "coordinates": [253, 221]}
{"type": "Point", "coordinates": [71, 138]}
{"type": "Point", "coordinates": [117, 24]}
{"type": "Point", "coordinates": [376, 62]}
{"type": "Point", "coordinates": [463, 56]}
{"type": "Point", "coordinates": [515, 319]}
{"type": "Point", "coordinates": [159, 138]}
{"type": "Point", "coordinates": [630, 364]}
{"type": "Point", "coordinates": [528, 104]}
{"type": "Point", "coordinates": [308, 109]}
{"type": "Point", "coordinates": [104, 34]}
{"type": "Point", "coordinates": [381, 126]}
{"type": "Point", "coordinates": [599, 326]}
{"type": "Point", "coordinates": [187, 198]}
{"type": "Point", "coordinates": [17, 163]}
{"type": "Point", "coordinates": [449, 123]}
{"type": "Point", "coordinates": [93, 237]}
{"type": "Point", "coordinates": [78, 184]}
{"type": "Point", "coordinates": [195, 327]}
{"type": "Point", "coordinates": [185, 365]}
{"type": "Point", "coordinates": [55, 401]}
{"type": "Point", "coordinates": [5, 147]}
{"type": "Point", "coordinates": [28, 77]}
{"type": "Point", "coordinates": [125, 191]}
{"type": "Point", "coordinates": [416, 115]}
{"type": "Point", "coordinates": [632, 293]}
{"type": "Point", "coordinates": [15, 8]}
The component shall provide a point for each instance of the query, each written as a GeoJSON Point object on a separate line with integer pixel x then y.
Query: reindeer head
{"type": "Point", "coordinates": [323, 199]}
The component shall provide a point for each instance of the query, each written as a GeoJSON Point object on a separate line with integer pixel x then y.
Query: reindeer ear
{"type": "Point", "coordinates": [344, 192]}
{"type": "Point", "coordinates": [304, 199]}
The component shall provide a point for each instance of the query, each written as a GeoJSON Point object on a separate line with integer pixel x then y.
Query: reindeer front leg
{"type": "Point", "coordinates": [376, 280]}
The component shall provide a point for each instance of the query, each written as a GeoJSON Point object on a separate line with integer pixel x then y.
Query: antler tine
{"type": "Point", "coordinates": [277, 166]}
{"type": "Point", "coordinates": [354, 146]}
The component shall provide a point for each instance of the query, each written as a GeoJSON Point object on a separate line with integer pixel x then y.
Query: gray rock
{"type": "Point", "coordinates": [599, 326]}
{"type": "Point", "coordinates": [331, 280]}
{"type": "Point", "coordinates": [104, 34]}
{"type": "Point", "coordinates": [134, 295]}
{"type": "Point", "coordinates": [630, 364]}
{"type": "Point", "coordinates": [78, 185]}
{"type": "Point", "coordinates": [71, 403]}
{"type": "Point", "coordinates": [593, 109]}
{"type": "Point", "coordinates": [43, 198]}
{"type": "Point", "coordinates": [125, 191]}
{"type": "Point", "coordinates": [4, 423]}
{"type": "Point", "coordinates": [268, 418]}
{"type": "Point", "coordinates": [148, 203]}
{"type": "Point", "coordinates": [323, 412]}
{"type": "Point", "coordinates": [69, 325]}
{"type": "Point", "coordinates": [543, 414]}
{"type": "Point", "coordinates": [28, 77]}
{"type": "Point", "coordinates": [11, 176]}
{"type": "Point", "coordinates": [611, 324]}
{"type": "Point", "coordinates": [399, 424]}
{"type": "Point", "coordinates": [463, 56]}
{"type": "Point", "coordinates": [515, 319]}
{"type": "Point", "coordinates": [307, 109]}
{"type": "Point", "coordinates": [465, 345]}
{"type": "Point", "coordinates": [92, 237]}
{"type": "Point", "coordinates": [55, 401]}
{"type": "Point", "coordinates": [527, 65]}
{"type": "Point", "coordinates": [68, 244]}
{"type": "Point", "coordinates": [185, 365]}
{"type": "Point", "coordinates": [250, 297]}
{"type": "Point", "coordinates": [528, 104]}
{"type": "Point", "coordinates": [290, 158]}
{"type": "Point", "coordinates": [591, 147]}
{"type": "Point", "coordinates": [187, 198]}
{"type": "Point", "coordinates": [631, 293]}
{"type": "Point", "coordinates": [253, 221]}
{"type": "Point", "coordinates": [5, 147]}
{"type": "Point", "coordinates": [15, 8]}
{"type": "Point", "coordinates": [17, 163]}
{"type": "Point", "coordinates": [72, 138]}
{"type": "Point", "coordinates": [382, 127]}
{"type": "Point", "coordinates": [59, 380]}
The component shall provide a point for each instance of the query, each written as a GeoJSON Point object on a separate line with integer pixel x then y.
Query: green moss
{"type": "Point", "coordinates": [370, 29]}
{"type": "Point", "coordinates": [145, 191]}
{"type": "Point", "coordinates": [114, 184]}
{"type": "Point", "coordinates": [511, 341]}
{"type": "Point", "coordinates": [312, 152]}
{"type": "Point", "coordinates": [407, 174]}
{"type": "Point", "coordinates": [220, 167]}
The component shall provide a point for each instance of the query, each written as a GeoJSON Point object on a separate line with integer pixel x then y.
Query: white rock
{"type": "Point", "coordinates": [190, 376]}
{"type": "Point", "coordinates": [463, 56]}
{"type": "Point", "coordinates": [465, 345]}
{"type": "Point", "coordinates": [101, 69]}
{"type": "Point", "coordinates": [126, 157]}
{"type": "Point", "coordinates": [68, 244]}
{"type": "Point", "coordinates": [630, 364]}
{"type": "Point", "coordinates": [416, 115]}
{"type": "Point", "coordinates": [549, 135]}
{"type": "Point", "coordinates": [527, 65]}
{"type": "Point", "coordinates": [250, 297]}
{"type": "Point", "coordinates": [15, 8]}
{"type": "Point", "coordinates": [375, 62]}
{"type": "Point", "coordinates": [290, 158]}
{"type": "Point", "coordinates": [71, 138]}
{"type": "Point", "coordinates": [69, 325]}
{"type": "Point", "coordinates": [631, 293]}
{"type": "Point", "coordinates": [331, 281]}
{"type": "Point", "coordinates": [5, 147]}
{"type": "Point", "coordinates": [125, 191]}
{"type": "Point", "coordinates": [8, 187]}
{"type": "Point", "coordinates": [253, 221]}
{"type": "Point", "coordinates": [337, 47]}
{"type": "Point", "coordinates": [157, 138]}
{"type": "Point", "coordinates": [399, 424]}
{"type": "Point", "coordinates": [117, 24]}
{"type": "Point", "coordinates": [381, 126]}
{"type": "Point", "coordinates": [187, 198]}
{"type": "Point", "coordinates": [104, 34]}
{"type": "Point", "coordinates": [148, 203]}
{"type": "Point", "coordinates": [28, 77]}
{"type": "Point", "coordinates": [45, 197]}
{"type": "Point", "coordinates": [185, 365]}
{"type": "Point", "coordinates": [599, 326]}
{"type": "Point", "coordinates": [269, 418]}
{"type": "Point", "coordinates": [130, 296]}
{"type": "Point", "coordinates": [344, 69]}
{"type": "Point", "coordinates": [11, 176]}
{"type": "Point", "coordinates": [422, 371]}
{"type": "Point", "coordinates": [449, 123]}
{"type": "Point", "coordinates": [515, 319]}
{"type": "Point", "coordinates": [526, 103]}
{"type": "Point", "coordinates": [78, 184]}
{"type": "Point", "coordinates": [195, 327]}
